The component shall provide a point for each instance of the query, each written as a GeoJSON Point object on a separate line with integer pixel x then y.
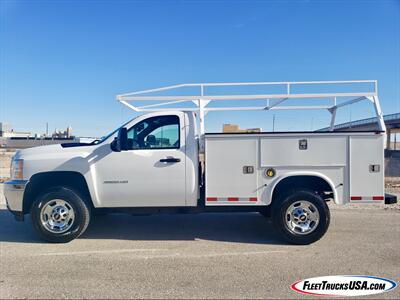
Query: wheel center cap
{"type": "Point", "coordinates": [303, 218]}
{"type": "Point", "coordinates": [59, 214]}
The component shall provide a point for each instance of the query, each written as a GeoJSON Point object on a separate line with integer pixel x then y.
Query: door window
{"type": "Point", "coordinates": [155, 133]}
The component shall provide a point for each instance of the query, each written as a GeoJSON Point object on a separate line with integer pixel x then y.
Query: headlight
{"type": "Point", "coordinates": [17, 167]}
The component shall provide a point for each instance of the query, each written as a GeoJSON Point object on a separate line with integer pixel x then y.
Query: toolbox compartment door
{"type": "Point", "coordinates": [367, 168]}
{"type": "Point", "coordinates": [227, 183]}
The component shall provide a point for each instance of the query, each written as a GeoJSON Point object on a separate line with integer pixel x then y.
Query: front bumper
{"type": "Point", "coordinates": [14, 194]}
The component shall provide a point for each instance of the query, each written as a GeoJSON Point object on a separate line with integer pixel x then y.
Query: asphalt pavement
{"type": "Point", "coordinates": [194, 256]}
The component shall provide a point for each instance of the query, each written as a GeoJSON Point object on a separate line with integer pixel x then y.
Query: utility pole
{"type": "Point", "coordinates": [47, 129]}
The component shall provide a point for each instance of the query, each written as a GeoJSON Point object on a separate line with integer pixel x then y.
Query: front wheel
{"type": "Point", "coordinates": [60, 215]}
{"type": "Point", "coordinates": [302, 217]}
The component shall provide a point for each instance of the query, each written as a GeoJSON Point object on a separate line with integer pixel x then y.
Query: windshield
{"type": "Point", "coordinates": [96, 142]}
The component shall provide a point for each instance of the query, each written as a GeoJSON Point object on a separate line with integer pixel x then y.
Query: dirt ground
{"type": "Point", "coordinates": [5, 161]}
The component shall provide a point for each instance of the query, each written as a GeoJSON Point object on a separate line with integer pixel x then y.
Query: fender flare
{"type": "Point", "coordinates": [39, 181]}
{"type": "Point", "coordinates": [302, 173]}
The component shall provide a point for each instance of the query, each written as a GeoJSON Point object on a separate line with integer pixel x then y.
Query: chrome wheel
{"type": "Point", "coordinates": [302, 217]}
{"type": "Point", "coordinates": [57, 216]}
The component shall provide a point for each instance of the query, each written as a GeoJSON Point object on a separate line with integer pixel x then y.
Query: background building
{"type": "Point", "coordinates": [66, 134]}
{"type": "Point", "coordinates": [235, 128]}
{"type": "Point", "coordinates": [7, 131]}
{"type": "Point", "coordinates": [11, 139]}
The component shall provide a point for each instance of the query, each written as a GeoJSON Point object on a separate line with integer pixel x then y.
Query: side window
{"type": "Point", "coordinates": [155, 133]}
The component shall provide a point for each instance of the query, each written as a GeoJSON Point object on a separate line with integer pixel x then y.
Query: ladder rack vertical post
{"type": "Point", "coordinates": [333, 117]}
{"type": "Point", "coordinates": [379, 114]}
{"type": "Point", "coordinates": [201, 120]}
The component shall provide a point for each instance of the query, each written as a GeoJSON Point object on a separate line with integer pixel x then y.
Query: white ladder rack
{"type": "Point", "coordinates": [202, 99]}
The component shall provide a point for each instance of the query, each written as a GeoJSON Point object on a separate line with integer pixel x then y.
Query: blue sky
{"type": "Point", "coordinates": [63, 62]}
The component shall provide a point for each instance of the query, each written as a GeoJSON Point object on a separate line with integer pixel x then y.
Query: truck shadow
{"type": "Point", "coordinates": [235, 227]}
{"type": "Point", "coordinates": [13, 231]}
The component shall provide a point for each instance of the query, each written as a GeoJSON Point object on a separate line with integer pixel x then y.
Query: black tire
{"type": "Point", "coordinates": [280, 206]}
{"type": "Point", "coordinates": [77, 226]}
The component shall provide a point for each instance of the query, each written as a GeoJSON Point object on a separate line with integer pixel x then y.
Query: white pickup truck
{"type": "Point", "coordinates": [163, 162]}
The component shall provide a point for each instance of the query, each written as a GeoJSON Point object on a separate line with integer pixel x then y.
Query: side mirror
{"type": "Point", "coordinates": [120, 143]}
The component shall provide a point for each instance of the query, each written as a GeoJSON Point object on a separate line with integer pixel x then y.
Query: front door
{"type": "Point", "coordinates": [152, 171]}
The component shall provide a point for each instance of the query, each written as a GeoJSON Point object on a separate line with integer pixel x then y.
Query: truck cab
{"type": "Point", "coordinates": [157, 165]}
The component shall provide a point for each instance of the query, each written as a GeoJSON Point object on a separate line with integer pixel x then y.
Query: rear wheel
{"type": "Point", "coordinates": [302, 217]}
{"type": "Point", "coordinates": [60, 215]}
